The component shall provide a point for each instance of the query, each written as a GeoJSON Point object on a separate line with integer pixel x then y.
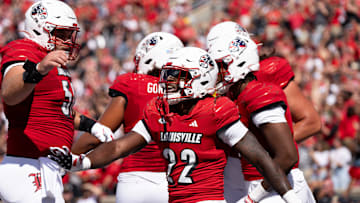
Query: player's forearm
{"type": "Point", "coordinates": [85, 143]}
{"type": "Point", "coordinates": [251, 149]}
{"type": "Point", "coordinates": [105, 153]}
{"type": "Point", "coordinates": [120, 148]}
{"type": "Point", "coordinates": [286, 162]}
{"type": "Point", "coordinates": [275, 175]}
{"type": "Point", "coordinates": [306, 128]}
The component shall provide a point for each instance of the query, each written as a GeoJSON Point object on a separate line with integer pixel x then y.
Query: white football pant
{"type": "Point", "coordinates": [142, 187]}
{"type": "Point", "coordinates": [25, 180]}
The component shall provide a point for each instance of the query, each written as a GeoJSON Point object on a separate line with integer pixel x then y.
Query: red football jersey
{"type": "Point", "coordinates": [275, 70]}
{"type": "Point", "coordinates": [45, 117]}
{"type": "Point", "coordinates": [258, 96]}
{"type": "Point", "coordinates": [191, 147]}
{"type": "Point", "coordinates": [138, 90]}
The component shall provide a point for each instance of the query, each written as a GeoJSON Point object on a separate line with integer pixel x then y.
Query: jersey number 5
{"type": "Point", "coordinates": [187, 156]}
{"type": "Point", "coordinates": [66, 107]}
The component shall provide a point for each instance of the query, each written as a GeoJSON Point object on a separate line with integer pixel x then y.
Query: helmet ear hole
{"type": "Point", "coordinates": [241, 64]}
{"type": "Point", "coordinates": [36, 32]}
{"type": "Point", "coordinates": [148, 61]}
{"type": "Point", "coordinates": [204, 83]}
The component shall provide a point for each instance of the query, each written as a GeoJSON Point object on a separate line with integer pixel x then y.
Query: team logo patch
{"type": "Point", "coordinates": [237, 45]}
{"type": "Point", "coordinates": [205, 61]}
{"type": "Point", "coordinates": [39, 12]}
{"type": "Point", "coordinates": [150, 43]}
{"type": "Point", "coordinates": [36, 181]}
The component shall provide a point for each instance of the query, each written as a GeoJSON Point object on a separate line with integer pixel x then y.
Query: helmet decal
{"type": "Point", "coordinates": [39, 12]}
{"type": "Point", "coordinates": [237, 45]}
{"type": "Point", "coordinates": [205, 61]}
{"type": "Point", "coordinates": [152, 51]}
{"type": "Point", "coordinates": [150, 43]}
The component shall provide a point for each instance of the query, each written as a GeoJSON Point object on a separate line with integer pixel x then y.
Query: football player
{"type": "Point", "coordinates": [264, 111]}
{"type": "Point", "coordinates": [275, 70]}
{"type": "Point", "coordinates": [145, 170]}
{"type": "Point", "coordinates": [38, 98]}
{"type": "Point", "coordinates": [188, 124]}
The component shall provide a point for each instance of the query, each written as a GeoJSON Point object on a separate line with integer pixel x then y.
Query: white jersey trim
{"type": "Point", "coordinates": [141, 129]}
{"type": "Point", "coordinates": [12, 66]}
{"type": "Point", "coordinates": [274, 115]}
{"type": "Point", "coordinates": [234, 133]}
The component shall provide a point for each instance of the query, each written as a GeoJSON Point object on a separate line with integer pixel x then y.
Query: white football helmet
{"type": "Point", "coordinates": [153, 51]}
{"type": "Point", "coordinates": [225, 28]}
{"type": "Point", "coordinates": [236, 56]}
{"type": "Point", "coordinates": [189, 73]}
{"type": "Point", "coordinates": [50, 23]}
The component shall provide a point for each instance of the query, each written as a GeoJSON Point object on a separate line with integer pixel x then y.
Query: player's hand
{"type": "Point", "coordinates": [53, 59]}
{"type": "Point", "coordinates": [249, 200]}
{"type": "Point", "coordinates": [101, 132]}
{"type": "Point", "coordinates": [256, 194]}
{"type": "Point", "coordinates": [69, 161]}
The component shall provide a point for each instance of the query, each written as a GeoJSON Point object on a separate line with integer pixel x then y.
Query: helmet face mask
{"type": "Point", "coordinates": [53, 25]}
{"type": "Point", "coordinates": [176, 81]}
{"type": "Point", "coordinates": [64, 38]}
{"type": "Point", "coordinates": [190, 73]}
{"type": "Point", "coordinates": [153, 50]}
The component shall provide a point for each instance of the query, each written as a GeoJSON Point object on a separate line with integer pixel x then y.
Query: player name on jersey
{"type": "Point", "coordinates": [183, 137]}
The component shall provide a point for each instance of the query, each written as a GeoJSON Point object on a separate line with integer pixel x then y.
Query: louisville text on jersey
{"type": "Point", "coordinates": [181, 137]}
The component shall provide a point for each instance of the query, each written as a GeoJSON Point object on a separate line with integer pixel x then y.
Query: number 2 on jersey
{"type": "Point", "coordinates": [187, 156]}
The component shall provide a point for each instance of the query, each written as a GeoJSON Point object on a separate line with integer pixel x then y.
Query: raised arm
{"type": "Point", "coordinates": [16, 86]}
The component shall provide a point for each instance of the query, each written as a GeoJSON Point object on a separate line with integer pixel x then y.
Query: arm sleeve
{"type": "Point", "coordinates": [233, 133]}
{"type": "Point", "coordinates": [142, 130]}
{"type": "Point", "coordinates": [273, 115]}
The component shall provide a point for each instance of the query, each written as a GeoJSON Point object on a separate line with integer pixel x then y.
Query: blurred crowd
{"type": "Point", "coordinates": [319, 38]}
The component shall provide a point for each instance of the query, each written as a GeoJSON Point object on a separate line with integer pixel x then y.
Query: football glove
{"type": "Point", "coordinates": [101, 132]}
{"type": "Point", "coordinates": [69, 161]}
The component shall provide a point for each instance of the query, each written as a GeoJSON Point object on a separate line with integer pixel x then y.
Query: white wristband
{"type": "Point", "coordinates": [86, 163]}
{"type": "Point", "coordinates": [258, 193]}
{"type": "Point", "coordinates": [291, 197]}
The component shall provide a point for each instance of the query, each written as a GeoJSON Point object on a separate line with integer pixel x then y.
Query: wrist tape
{"type": "Point", "coordinates": [86, 123]}
{"type": "Point", "coordinates": [31, 75]}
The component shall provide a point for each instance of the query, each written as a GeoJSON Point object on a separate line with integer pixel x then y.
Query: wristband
{"type": "Point", "coordinates": [86, 124]}
{"type": "Point", "coordinates": [258, 193]}
{"type": "Point", "coordinates": [31, 75]}
{"type": "Point", "coordinates": [290, 197]}
{"type": "Point", "coordinates": [85, 163]}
